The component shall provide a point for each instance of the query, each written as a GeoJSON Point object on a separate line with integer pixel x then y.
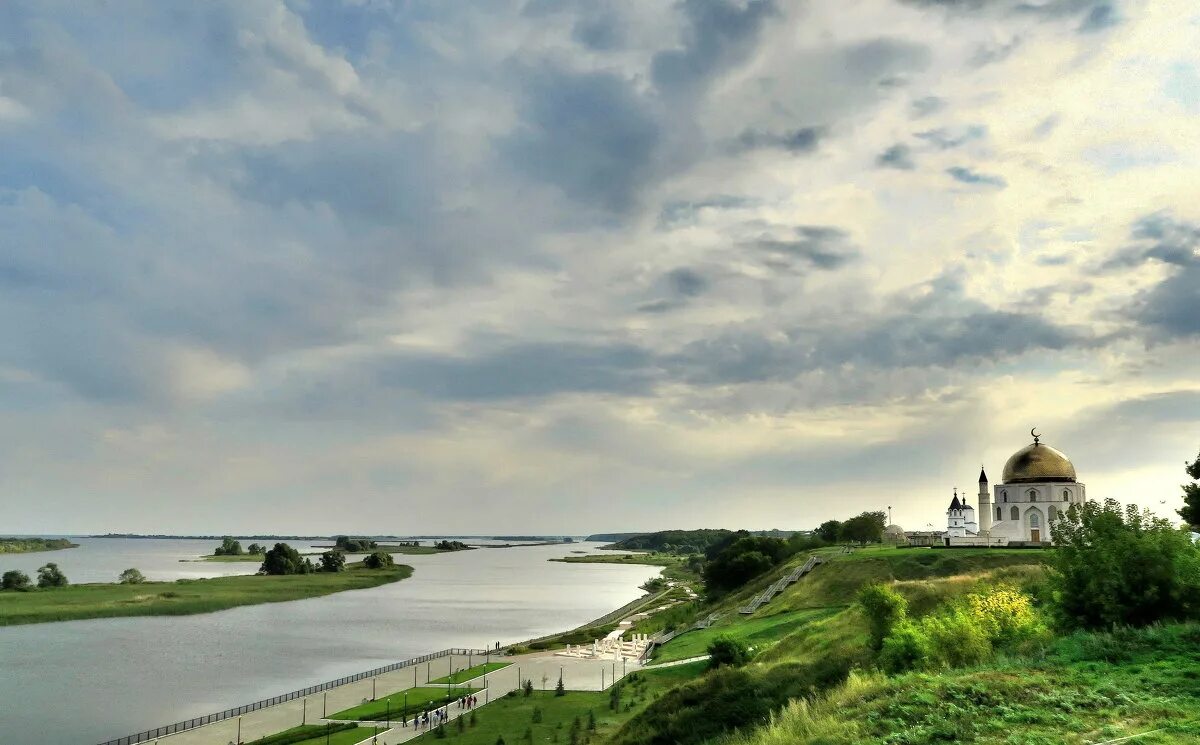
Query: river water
{"type": "Point", "coordinates": [89, 681]}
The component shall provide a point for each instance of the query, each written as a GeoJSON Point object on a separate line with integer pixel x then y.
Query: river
{"type": "Point", "coordinates": [89, 681]}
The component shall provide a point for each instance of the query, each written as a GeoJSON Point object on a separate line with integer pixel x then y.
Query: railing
{"type": "Point", "coordinates": [779, 586]}
{"type": "Point", "coordinates": [663, 637]}
{"type": "Point", "coordinates": [170, 729]}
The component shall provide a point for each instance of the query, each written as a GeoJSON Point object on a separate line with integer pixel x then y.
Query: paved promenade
{"type": "Point", "coordinates": [542, 668]}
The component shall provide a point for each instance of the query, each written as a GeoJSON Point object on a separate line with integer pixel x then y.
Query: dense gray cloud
{"type": "Point", "coordinates": [509, 250]}
{"type": "Point", "coordinates": [898, 156]}
{"type": "Point", "coordinates": [965, 175]}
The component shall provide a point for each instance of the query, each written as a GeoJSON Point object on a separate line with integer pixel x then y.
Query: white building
{"type": "Point", "coordinates": [1038, 483]}
{"type": "Point", "coordinates": [960, 518]}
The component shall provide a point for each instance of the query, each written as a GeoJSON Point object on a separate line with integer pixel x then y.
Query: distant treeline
{"type": "Point", "coordinates": [682, 541]}
{"type": "Point", "coordinates": [216, 537]}
{"type": "Point", "coordinates": [28, 545]}
{"type": "Point", "coordinates": [561, 539]}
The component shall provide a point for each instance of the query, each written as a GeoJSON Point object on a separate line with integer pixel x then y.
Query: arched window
{"type": "Point", "coordinates": [999, 514]}
{"type": "Point", "coordinates": [1052, 512]}
{"type": "Point", "coordinates": [1034, 522]}
{"type": "Point", "coordinates": [1033, 495]}
{"type": "Point", "coordinates": [1066, 494]}
{"type": "Point", "coordinates": [1016, 514]}
{"type": "Point", "coordinates": [1004, 495]}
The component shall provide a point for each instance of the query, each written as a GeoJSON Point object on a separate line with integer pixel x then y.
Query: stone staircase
{"type": "Point", "coordinates": [765, 597]}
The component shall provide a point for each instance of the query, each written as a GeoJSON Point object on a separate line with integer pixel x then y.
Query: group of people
{"type": "Point", "coordinates": [422, 720]}
{"type": "Point", "coordinates": [440, 715]}
{"type": "Point", "coordinates": [468, 702]}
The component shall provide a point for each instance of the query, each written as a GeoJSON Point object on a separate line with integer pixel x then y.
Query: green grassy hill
{"type": "Point", "coordinates": [812, 678]}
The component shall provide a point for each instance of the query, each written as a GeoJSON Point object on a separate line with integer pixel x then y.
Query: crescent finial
{"type": "Point", "coordinates": [1036, 436]}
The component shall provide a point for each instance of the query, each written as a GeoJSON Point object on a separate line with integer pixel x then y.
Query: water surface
{"type": "Point", "coordinates": [103, 678]}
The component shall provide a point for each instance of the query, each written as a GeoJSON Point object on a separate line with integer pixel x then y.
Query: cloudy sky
{"type": "Point", "coordinates": [567, 265]}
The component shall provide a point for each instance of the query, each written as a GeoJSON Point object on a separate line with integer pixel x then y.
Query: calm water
{"type": "Point", "coordinates": [94, 680]}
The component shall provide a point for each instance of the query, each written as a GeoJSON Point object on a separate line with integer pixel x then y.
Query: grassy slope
{"type": "Point", "coordinates": [471, 673]}
{"type": "Point", "coordinates": [404, 702]}
{"type": "Point", "coordinates": [1086, 688]}
{"type": "Point", "coordinates": [759, 632]}
{"type": "Point", "coordinates": [510, 716]}
{"type": "Point", "coordinates": [183, 597]}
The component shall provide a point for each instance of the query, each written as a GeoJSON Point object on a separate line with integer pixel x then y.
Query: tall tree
{"type": "Point", "coordinates": [1190, 511]}
{"type": "Point", "coordinates": [829, 531]}
{"type": "Point", "coordinates": [51, 576]}
{"type": "Point", "coordinates": [865, 528]}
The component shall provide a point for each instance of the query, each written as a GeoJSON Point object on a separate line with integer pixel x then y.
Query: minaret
{"type": "Point", "coordinates": [985, 507]}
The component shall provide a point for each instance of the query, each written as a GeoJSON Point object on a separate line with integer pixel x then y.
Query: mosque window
{"type": "Point", "coordinates": [1066, 495]}
{"type": "Point", "coordinates": [999, 514]}
{"type": "Point", "coordinates": [1052, 512]}
{"type": "Point", "coordinates": [1004, 495]}
{"type": "Point", "coordinates": [1034, 522]}
{"type": "Point", "coordinates": [1033, 495]}
{"type": "Point", "coordinates": [1016, 515]}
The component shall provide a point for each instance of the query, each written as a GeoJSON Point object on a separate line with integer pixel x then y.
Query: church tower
{"type": "Point", "coordinates": [985, 506]}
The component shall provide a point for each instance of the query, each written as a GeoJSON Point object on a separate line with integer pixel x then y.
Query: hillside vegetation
{"type": "Point", "coordinates": [918, 646]}
{"type": "Point", "coordinates": [28, 545]}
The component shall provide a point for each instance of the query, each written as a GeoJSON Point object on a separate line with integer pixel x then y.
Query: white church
{"type": "Point", "coordinates": [1038, 482]}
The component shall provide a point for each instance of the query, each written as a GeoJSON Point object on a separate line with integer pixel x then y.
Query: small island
{"type": "Point", "coordinates": [284, 575]}
{"type": "Point", "coordinates": [30, 545]}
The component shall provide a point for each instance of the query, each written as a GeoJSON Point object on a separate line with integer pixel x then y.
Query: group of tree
{"type": "Point", "coordinates": [283, 559]}
{"type": "Point", "coordinates": [862, 529]}
{"type": "Point", "coordinates": [48, 576]}
{"type": "Point", "coordinates": [1123, 566]}
{"type": "Point", "coordinates": [229, 547]}
{"type": "Point", "coordinates": [378, 560]}
{"type": "Point", "coordinates": [451, 546]}
{"type": "Point", "coordinates": [353, 545]}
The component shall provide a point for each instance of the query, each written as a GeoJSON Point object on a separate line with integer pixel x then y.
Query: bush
{"type": "Point", "coordinates": [15, 580]}
{"type": "Point", "coordinates": [537, 715]}
{"type": "Point", "coordinates": [884, 608]}
{"type": "Point", "coordinates": [283, 559]}
{"type": "Point", "coordinates": [560, 689]}
{"type": "Point", "coordinates": [725, 650]}
{"type": "Point", "coordinates": [131, 577]}
{"type": "Point", "coordinates": [527, 687]}
{"type": "Point", "coordinates": [333, 561]}
{"type": "Point", "coordinates": [51, 576]}
{"type": "Point", "coordinates": [228, 547]}
{"type": "Point", "coordinates": [965, 632]}
{"type": "Point", "coordinates": [1121, 567]}
{"type": "Point", "coordinates": [378, 560]}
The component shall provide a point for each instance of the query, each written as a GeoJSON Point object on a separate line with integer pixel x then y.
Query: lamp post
{"type": "Point", "coordinates": [303, 712]}
{"type": "Point", "coordinates": [324, 701]}
{"type": "Point", "coordinates": [239, 731]}
{"type": "Point", "coordinates": [373, 680]}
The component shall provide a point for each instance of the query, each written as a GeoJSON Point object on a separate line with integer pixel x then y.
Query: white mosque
{"type": "Point", "coordinates": [1038, 482]}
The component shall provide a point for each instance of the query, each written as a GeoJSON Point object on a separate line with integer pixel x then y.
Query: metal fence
{"type": "Point", "coordinates": [170, 729]}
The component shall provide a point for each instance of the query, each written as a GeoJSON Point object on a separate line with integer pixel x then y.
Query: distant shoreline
{"type": "Point", "coordinates": [14, 545]}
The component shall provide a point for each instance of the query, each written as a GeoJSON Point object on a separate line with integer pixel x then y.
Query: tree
{"type": "Point", "coordinates": [283, 559]}
{"type": "Point", "coordinates": [864, 528]}
{"type": "Point", "coordinates": [333, 561]}
{"type": "Point", "coordinates": [1190, 512]}
{"type": "Point", "coordinates": [131, 577]}
{"type": "Point", "coordinates": [829, 531]}
{"type": "Point", "coordinates": [51, 576]}
{"type": "Point", "coordinates": [14, 580]}
{"type": "Point", "coordinates": [256, 549]}
{"type": "Point", "coordinates": [885, 608]}
{"type": "Point", "coordinates": [725, 650]}
{"type": "Point", "coordinates": [527, 687]}
{"type": "Point", "coordinates": [1117, 566]}
{"type": "Point", "coordinates": [378, 560]}
{"type": "Point", "coordinates": [560, 689]}
{"type": "Point", "coordinates": [228, 547]}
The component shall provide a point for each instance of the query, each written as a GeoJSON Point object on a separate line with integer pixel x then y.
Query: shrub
{"type": "Point", "coordinates": [884, 608]}
{"type": "Point", "coordinates": [378, 560]}
{"type": "Point", "coordinates": [51, 576]}
{"type": "Point", "coordinates": [537, 715]}
{"type": "Point", "coordinates": [725, 650]}
{"type": "Point", "coordinates": [527, 687]}
{"type": "Point", "coordinates": [560, 689]}
{"type": "Point", "coordinates": [1121, 567]}
{"type": "Point", "coordinates": [15, 580]}
{"type": "Point", "coordinates": [283, 559]}
{"type": "Point", "coordinates": [906, 648]}
{"type": "Point", "coordinates": [333, 561]}
{"type": "Point", "coordinates": [131, 577]}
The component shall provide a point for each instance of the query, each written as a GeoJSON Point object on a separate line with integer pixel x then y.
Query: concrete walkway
{"type": "Point", "coordinates": [543, 668]}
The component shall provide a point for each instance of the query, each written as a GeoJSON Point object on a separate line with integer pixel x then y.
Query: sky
{"type": "Point", "coordinates": [409, 266]}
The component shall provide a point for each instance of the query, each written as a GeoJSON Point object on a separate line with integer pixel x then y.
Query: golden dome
{"type": "Point", "coordinates": [1038, 463]}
